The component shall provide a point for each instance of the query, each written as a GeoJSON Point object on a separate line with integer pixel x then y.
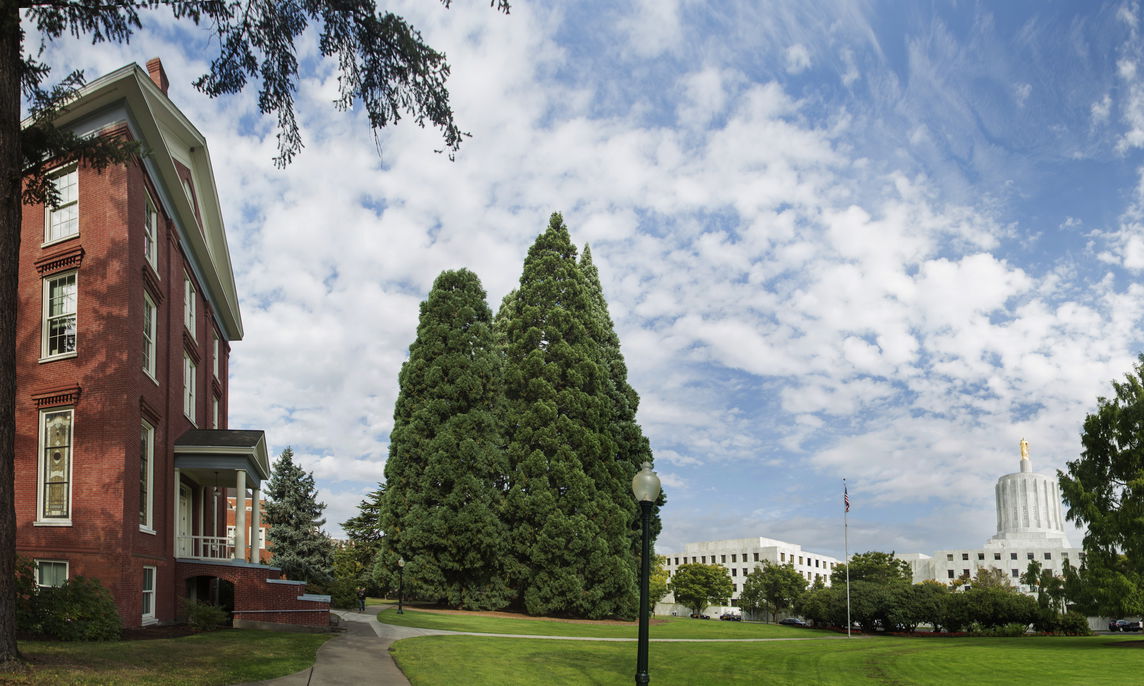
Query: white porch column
{"type": "Point", "coordinates": [255, 523]}
{"type": "Point", "coordinates": [178, 547]}
{"type": "Point", "coordinates": [240, 516]}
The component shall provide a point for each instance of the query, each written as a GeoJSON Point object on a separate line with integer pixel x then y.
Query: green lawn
{"type": "Point", "coordinates": [479, 661]}
{"type": "Point", "coordinates": [217, 658]}
{"type": "Point", "coordinates": [672, 627]}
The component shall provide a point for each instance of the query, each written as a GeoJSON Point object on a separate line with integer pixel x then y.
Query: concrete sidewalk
{"type": "Point", "coordinates": [359, 655]}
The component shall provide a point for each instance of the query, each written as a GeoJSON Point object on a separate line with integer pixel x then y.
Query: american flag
{"type": "Point", "coordinates": [846, 498]}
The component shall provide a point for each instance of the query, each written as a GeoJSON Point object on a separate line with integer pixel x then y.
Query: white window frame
{"type": "Point", "coordinates": [147, 477]}
{"type": "Point", "coordinates": [150, 336]}
{"type": "Point", "coordinates": [189, 303]}
{"type": "Point", "coordinates": [148, 594]}
{"type": "Point", "coordinates": [190, 370]}
{"type": "Point", "coordinates": [69, 205]}
{"type": "Point", "coordinates": [150, 235]}
{"type": "Point", "coordinates": [42, 471]}
{"type": "Point", "coordinates": [39, 576]}
{"type": "Point", "coordinates": [46, 317]}
{"type": "Point", "coordinates": [214, 411]}
{"type": "Point", "coordinates": [214, 356]}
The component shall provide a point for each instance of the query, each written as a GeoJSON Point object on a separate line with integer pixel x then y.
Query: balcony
{"type": "Point", "coordinates": [204, 547]}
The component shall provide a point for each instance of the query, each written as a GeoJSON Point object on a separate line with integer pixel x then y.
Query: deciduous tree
{"type": "Point", "coordinates": [1104, 491]}
{"type": "Point", "coordinates": [698, 586]}
{"type": "Point", "coordinates": [773, 587]}
{"type": "Point", "coordinates": [874, 566]}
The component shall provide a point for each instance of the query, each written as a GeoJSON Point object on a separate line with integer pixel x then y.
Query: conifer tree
{"type": "Point", "coordinates": [297, 543]}
{"type": "Point", "coordinates": [632, 447]}
{"type": "Point", "coordinates": [442, 510]}
{"type": "Point", "coordinates": [570, 537]}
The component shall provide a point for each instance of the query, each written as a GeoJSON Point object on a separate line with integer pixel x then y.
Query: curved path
{"type": "Point", "coordinates": [360, 655]}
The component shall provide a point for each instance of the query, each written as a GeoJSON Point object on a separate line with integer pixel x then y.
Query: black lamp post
{"type": "Point", "coordinates": [400, 584]}
{"type": "Point", "coordinates": [645, 486]}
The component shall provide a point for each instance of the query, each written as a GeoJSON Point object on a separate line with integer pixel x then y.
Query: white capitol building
{"type": "Point", "coordinates": [1030, 527]}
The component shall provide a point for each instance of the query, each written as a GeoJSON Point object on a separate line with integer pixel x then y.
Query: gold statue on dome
{"type": "Point", "coordinates": [1024, 449]}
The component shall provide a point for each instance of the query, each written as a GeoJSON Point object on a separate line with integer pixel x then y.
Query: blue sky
{"type": "Point", "coordinates": [877, 241]}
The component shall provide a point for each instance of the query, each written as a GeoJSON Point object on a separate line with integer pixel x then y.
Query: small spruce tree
{"type": "Point", "coordinates": [297, 543]}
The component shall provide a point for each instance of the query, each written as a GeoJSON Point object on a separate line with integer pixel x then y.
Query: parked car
{"type": "Point", "coordinates": [699, 616]}
{"type": "Point", "coordinates": [730, 617]}
{"type": "Point", "coordinates": [1124, 625]}
{"type": "Point", "coordinates": [793, 621]}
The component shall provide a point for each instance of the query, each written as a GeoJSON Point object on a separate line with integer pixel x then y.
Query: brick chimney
{"type": "Point", "coordinates": [155, 69]}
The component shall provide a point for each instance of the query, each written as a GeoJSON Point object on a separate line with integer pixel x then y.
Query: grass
{"type": "Point", "coordinates": [217, 658]}
{"type": "Point", "coordinates": [1045, 661]}
{"type": "Point", "coordinates": [671, 627]}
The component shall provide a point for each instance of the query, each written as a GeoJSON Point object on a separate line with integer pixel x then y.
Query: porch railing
{"type": "Point", "coordinates": [204, 547]}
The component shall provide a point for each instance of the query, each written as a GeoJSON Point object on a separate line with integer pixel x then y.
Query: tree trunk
{"type": "Point", "coordinates": [10, 38]}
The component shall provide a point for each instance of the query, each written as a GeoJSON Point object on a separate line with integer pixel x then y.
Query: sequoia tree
{"type": "Point", "coordinates": [632, 447]}
{"type": "Point", "coordinates": [443, 503]}
{"type": "Point", "coordinates": [1104, 490]}
{"type": "Point", "coordinates": [297, 544]}
{"type": "Point", "coordinates": [570, 522]}
{"type": "Point", "coordinates": [384, 65]}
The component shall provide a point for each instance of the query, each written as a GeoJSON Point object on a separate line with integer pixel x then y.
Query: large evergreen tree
{"type": "Point", "coordinates": [442, 510]}
{"type": "Point", "coordinates": [364, 533]}
{"type": "Point", "coordinates": [570, 525]}
{"type": "Point", "coordinates": [384, 65]}
{"type": "Point", "coordinates": [297, 544]}
{"type": "Point", "coordinates": [632, 447]}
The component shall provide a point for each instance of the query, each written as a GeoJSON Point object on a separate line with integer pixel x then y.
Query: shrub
{"type": "Point", "coordinates": [1073, 623]}
{"type": "Point", "coordinates": [204, 616]}
{"type": "Point", "coordinates": [79, 610]}
{"type": "Point", "coordinates": [1011, 630]}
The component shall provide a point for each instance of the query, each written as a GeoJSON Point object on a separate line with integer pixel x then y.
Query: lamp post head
{"type": "Point", "coordinates": [401, 562]}
{"type": "Point", "coordinates": [645, 484]}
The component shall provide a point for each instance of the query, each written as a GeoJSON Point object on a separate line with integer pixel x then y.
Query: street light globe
{"type": "Point", "coordinates": [401, 562]}
{"type": "Point", "coordinates": [645, 484]}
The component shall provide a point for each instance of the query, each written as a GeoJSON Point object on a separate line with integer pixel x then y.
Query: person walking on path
{"type": "Point", "coordinates": [361, 599]}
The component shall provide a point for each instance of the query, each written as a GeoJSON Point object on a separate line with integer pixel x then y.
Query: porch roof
{"type": "Point", "coordinates": [203, 451]}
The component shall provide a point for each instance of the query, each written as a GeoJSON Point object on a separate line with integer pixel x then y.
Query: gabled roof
{"type": "Point", "coordinates": [155, 121]}
{"type": "Point", "coordinates": [224, 449]}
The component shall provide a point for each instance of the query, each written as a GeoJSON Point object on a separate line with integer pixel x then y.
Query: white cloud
{"type": "Point", "coordinates": [797, 59]}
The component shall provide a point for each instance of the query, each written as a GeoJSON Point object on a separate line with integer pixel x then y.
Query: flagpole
{"type": "Point", "coordinates": [846, 548]}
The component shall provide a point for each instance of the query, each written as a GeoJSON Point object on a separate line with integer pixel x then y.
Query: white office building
{"type": "Point", "coordinates": [740, 556]}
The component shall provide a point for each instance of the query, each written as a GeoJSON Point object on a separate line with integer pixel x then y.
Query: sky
{"type": "Point", "coordinates": [872, 241]}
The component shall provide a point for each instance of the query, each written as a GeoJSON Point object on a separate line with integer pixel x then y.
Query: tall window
{"type": "Point", "coordinates": [188, 303]}
{"type": "Point", "coordinates": [55, 464]}
{"type": "Point", "coordinates": [148, 594]}
{"type": "Point", "coordinates": [51, 572]}
{"type": "Point", "coordinates": [189, 370]}
{"type": "Point", "coordinates": [214, 356]}
{"type": "Point", "coordinates": [146, 474]}
{"type": "Point", "coordinates": [63, 221]}
{"type": "Point", "coordinates": [214, 412]}
{"type": "Point", "coordinates": [59, 324]}
{"type": "Point", "coordinates": [150, 324]}
{"type": "Point", "coordinates": [150, 231]}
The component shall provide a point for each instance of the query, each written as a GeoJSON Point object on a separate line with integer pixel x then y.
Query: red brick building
{"type": "Point", "coordinates": [126, 314]}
